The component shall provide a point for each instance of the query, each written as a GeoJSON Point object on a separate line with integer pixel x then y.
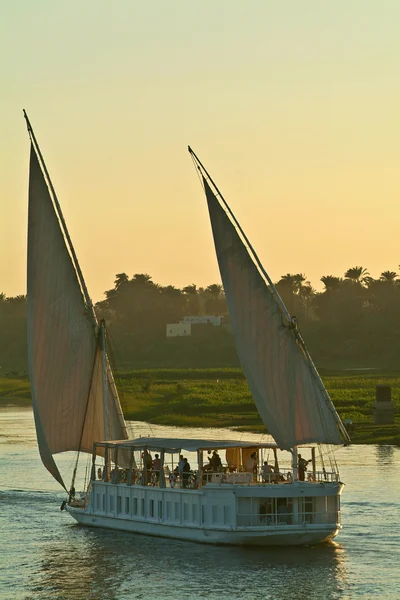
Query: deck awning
{"type": "Point", "coordinates": [189, 445]}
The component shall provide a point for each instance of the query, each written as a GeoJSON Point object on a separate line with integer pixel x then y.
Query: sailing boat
{"type": "Point", "coordinates": [228, 493]}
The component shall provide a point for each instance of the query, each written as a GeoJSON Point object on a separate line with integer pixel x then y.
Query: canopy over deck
{"type": "Point", "coordinates": [189, 445]}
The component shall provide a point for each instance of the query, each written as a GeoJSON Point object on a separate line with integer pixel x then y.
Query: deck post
{"type": "Point", "coordinates": [130, 467]}
{"type": "Point", "coordinates": [161, 477]}
{"type": "Point", "coordinates": [313, 463]}
{"type": "Point", "coordinates": [294, 464]}
{"type": "Point", "coordinates": [200, 468]}
{"type": "Point", "coordinates": [93, 473]}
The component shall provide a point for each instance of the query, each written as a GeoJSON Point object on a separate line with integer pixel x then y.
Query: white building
{"type": "Point", "coordinates": [178, 329]}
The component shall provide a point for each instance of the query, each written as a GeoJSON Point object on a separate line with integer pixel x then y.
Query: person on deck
{"type": "Point", "coordinates": [267, 472]}
{"type": "Point", "coordinates": [302, 467]}
{"type": "Point", "coordinates": [215, 462]}
{"type": "Point", "coordinates": [147, 465]}
{"type": "Point", "coordinates": [157, 466]}
{"type": "Point", "coordinates": [185, 472]}
{"type": "Point", "coordinates": [251, 465]}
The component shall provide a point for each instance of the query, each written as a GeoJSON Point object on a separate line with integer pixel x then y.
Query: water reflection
{"type": "Point", "coordinates": [99, 564]}
{"type": "Point", "coordinates": [384, 455]}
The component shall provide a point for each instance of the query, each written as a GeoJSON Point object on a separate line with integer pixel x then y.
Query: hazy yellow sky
{"type": "Point", "coordinates": [292, 106]}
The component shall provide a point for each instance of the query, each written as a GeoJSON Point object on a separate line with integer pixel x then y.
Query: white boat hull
{"type": "Point", "coordinates": [274, 536]}
{"type": "Point", "coordinates": [215, 515]}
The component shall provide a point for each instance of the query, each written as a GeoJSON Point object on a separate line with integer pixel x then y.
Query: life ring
{"type": "Point", "coordinates": [172, 480]}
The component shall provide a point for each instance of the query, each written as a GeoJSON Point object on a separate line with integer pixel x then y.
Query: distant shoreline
{"type": "Point", "coordinates": [215, 398]}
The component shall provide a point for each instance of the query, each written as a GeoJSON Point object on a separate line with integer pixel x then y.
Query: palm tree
{"type": "Point", "coordinates": [190, 290]}
{"type": "Point", "coordinates": [120, 279]}
{"type": "Point", "coordinates": [292, 282]}
{"type": "Point", "coordinates": [357, 274]}
{"type": "Point", "coordinates": [193, 302]}
{"type": "Point", "coordinates": [142, 279]}
{"type": "Point", "coordinates": [307, 293]}
{"type": "Point", "coordinates": [289, 286]}
{"type": "Point", "coordinates": [388, 276]}
{"type": "Point", "coordinates": [215, 290]}
{"type": "Point", "coordinates": [331, 282]}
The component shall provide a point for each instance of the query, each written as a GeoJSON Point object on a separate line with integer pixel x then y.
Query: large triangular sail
{"type": "Point", "coordinates": [290, 398]}
{"type": "Point", "coordinates": [69, 404]}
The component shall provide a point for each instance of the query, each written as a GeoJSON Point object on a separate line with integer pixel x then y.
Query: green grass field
{"type": "Point", "coordinates": [221, 398]}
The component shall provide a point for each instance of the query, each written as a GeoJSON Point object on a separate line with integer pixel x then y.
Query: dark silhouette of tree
{"type": "Point", "coordinates": [357, 274]}
{"type": "Point", "coordinates": [194, 304]}
{"type": "Point", "coordinates": [331, 282]}
{"type": "Point", "coordinates": [120, 279]}
{"type": "Point", "coordinates": [289, 287]}
{"type": "Point", "coordinates": [389, 276]}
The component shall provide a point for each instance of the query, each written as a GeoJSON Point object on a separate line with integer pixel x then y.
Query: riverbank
{"type": "Point", "coordinates": [221, 398]}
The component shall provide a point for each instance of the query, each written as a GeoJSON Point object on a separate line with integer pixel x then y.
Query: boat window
{"type": "Point", "coordinates": [177, 507]}
{"type": "Point", "coordinates": [160, 509]}
{"type": "Point", "coordinates": [111, 503]}
{"type": "Point", "coordinates": [169, 511]}
{"type": "Point", "coordinates": [151, 508]}
{"type": "Point", "coordinates": [134, 509]}
{"type": "Point", "coordinates": [119, 501]}
{"type": "Point", "coordinates": [226, 515]}
{"type": "Point", "coordinates": [127, 504]}
{"type": "Point", "coordinates": [104, 503]}
{"type": "Point", "coordinates": [203, 514]}
{"type": "Point", "coordinates": [97, 501]}
{"type": "Point", "coordinates": [194, 512]}
{"type": "Point", "coordinates": [185, 512]}
{"type": "Point", "coordinates": [143, 511]}
{"type": "Point", "coordinates": [215, 514]}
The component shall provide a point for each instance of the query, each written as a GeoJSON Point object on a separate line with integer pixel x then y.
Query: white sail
{"type": "Point", "coordinates": [62, 339]}
{"type": "Point", "coordinates": [96, 427]}
{"type": "Point", "coordinates": [289, 396]}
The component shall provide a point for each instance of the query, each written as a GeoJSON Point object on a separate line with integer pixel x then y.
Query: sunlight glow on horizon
{"type": "Point", "coordinates": [292, 108]}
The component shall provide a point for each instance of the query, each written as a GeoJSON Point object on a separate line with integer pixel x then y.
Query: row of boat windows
{"type": "Point", "coordinates": [158, 509]}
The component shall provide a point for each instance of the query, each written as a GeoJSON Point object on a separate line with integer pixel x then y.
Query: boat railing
{"type": "Point", "coordinates": [287, 518]}
{"type": "Point", "coordinates": [192, 479]}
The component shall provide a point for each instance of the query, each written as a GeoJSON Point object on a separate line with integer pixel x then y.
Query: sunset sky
{"type": "Point", "coordinates": [292, 106]}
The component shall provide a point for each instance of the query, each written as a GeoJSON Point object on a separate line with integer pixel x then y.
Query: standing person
{"type": "Point", "coordinates": [215, 462]}
{"type": "Point", "coordinates": [179, 468]}
{"type": "Point", "coordinates": [185, 472]}
{"type": "Point", "coordinates": [302, 467]}
{"type": "Point", "coordinates": [157, 466]}
{"type": "Point", "coordinates": [147, 465]}
{"type": "Point", "coordinates": [250, 464]}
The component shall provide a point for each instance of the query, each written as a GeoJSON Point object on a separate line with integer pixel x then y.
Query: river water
{"type": "Point", "coordinates": [45, 554]}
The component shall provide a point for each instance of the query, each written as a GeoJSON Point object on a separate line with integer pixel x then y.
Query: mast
{"type": "Point", "coordinates": [104, 380]}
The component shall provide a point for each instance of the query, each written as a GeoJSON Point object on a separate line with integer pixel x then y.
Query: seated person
{"type": "Point", "coordinates": [267, 472]}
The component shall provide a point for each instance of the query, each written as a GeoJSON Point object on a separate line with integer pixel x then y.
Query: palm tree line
{"type": "Point", "coordinates": [353, 316]}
